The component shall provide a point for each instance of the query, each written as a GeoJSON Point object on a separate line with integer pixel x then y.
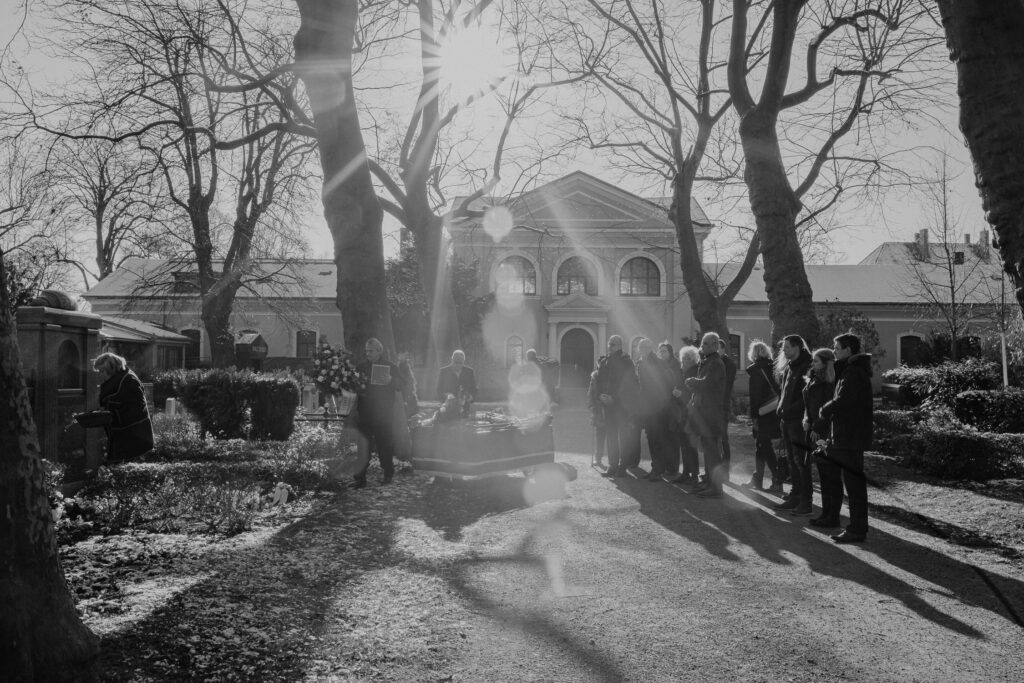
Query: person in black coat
{"type": "Point", "coordinates": [615, 377]}
{"type": "Point", "coordinates": [458, 380]}
{"type": "Point", "coordinates": [850, 414]}
{"type": "Point", "coordinates": [791, 417]}
{"type": "Point", "coordinates": [818, 390]}
{"type": "Point", "coordinates": [655, 385]}
{"type": "Point", "coordinates": [689, 366]}
{"type": "Point", "coordinates": [376, 410]}
{"type": "Point", "coordinates": [706, 420]}
{"type": "Point", "coordinates": [130, 433]}
{"type": "Point", "coordinates": [762, 389]}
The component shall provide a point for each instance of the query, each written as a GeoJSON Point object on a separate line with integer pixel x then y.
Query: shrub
{"type": "Point", "coordinates": [273, 400]}
{"type": "Point", "coordinates": [953, 452]}
{"type": "Point", "coordinates": [938, 385]}
{"type": "Point", "coordinates": [230, 404]}
{"type": "Point", "coordinates": [891, 427]}
{"type": "Point", "coordinates": [1000, 411]}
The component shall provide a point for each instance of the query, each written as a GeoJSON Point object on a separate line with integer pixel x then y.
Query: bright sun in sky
{"type": "Point", "coordinates": [473, 60]}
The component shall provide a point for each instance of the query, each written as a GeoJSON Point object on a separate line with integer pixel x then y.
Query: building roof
{"type": "Point", "coordinates": [128, 330]}
{"type": "Point", "coordinates": [584, 201]}
{"type": "Point", "coordinates": [142, 277]}
{"type": "Point", "coordinates": [867, 284]}
{"type": "Point", "coordinates": [909, 252]}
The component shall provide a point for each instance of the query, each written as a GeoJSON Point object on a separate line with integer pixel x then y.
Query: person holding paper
{"type": "Point", "coordinates": [376, 409]}
{"type": "Point", "coordinates": [458, 380]}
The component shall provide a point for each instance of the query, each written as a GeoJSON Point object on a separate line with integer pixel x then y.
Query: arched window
{"type": "Point", "coordinates": [516, 275]}
{"type": "Point", "coordinates": [640, 277]}
{"type": "Point", "coordinates": [513, 351]}
{"type": "Point", "coordinates": [305, 343]}
{"type": "Point", "coordinates": [69, 366]}
{"type": "Point", "coordinates": [194, 349]}
{"type": "Point", "coordinates": [576, 275]}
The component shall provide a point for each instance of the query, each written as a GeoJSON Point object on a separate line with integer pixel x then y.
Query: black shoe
{"type": "Point", "coordinates": [611, 472]}
{"type": "Point", "coordinates": [680, 479]}
{"type": "Point", "coordinates": [710, 493]}
{"type": "Point", "coordinates": [755, 484]}
{"type": "Point", "coordinates": [653, 476]}
{"type": "Point", "coordinates": [786, 505]}
{"type": "Point", "coordinates": [826, 522]}
{"type": "Point", "coordinates": [775, 488]}
{"type": "Point", "coordinates": [847, 537]}
{"type": "Point", "coordinates": [802, 511]}
{"type": "Point", "coordinates": [358, 484]}
{"type": "Point", "coordinates": [386, 479]}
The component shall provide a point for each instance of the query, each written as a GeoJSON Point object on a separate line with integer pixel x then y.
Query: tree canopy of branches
{"type": "Point", "coordinates": [670, 115]}
{"type": "Point", "coordinates": [157, 70]}
{"type": "Point", "coordinates": [862, 57]}
{"type": "Point", "coordinates": [984, 40]}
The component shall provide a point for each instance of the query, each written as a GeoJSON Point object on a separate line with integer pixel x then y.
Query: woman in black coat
{"type": "Point", "coordinates": [763, 388]}
{"type": "Point", "coordinates": [130, 433]}
{"type": "Point", "coordinates": [689, 364]}
{"type": "Point", "coordinates": [818, 390]}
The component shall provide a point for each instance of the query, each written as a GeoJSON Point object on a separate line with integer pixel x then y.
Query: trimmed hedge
{"type": "Point", "coordinates": [1000, 411]}
{"type": "Point", "coordinates": [938, 385]}
{"type": "Point", "coordinates": [232, 404]}
{"type": "Point", "coordinates": [957, 453]}
{"type": "Point", "coordinates": [891, 427]}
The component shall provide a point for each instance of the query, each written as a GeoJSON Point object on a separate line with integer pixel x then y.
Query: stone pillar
{"type": "Point", "coordinates": [552, 340]}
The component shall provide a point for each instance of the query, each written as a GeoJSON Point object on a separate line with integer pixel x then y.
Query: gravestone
{"type": "Point", "coordinates": [57, 348]}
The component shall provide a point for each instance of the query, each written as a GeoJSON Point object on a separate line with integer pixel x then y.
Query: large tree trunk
{"type": "Point", "coordinates": [216, 313]}
{"type": "Point", "coordinates": [323, 59]}
{"type": "Point", "coordinates": [41, 636]}
{"type": "Point", "coordinates": [703, 301]}
{"type": "Point", "coordinates": [986, 42]}
{"type": "Point", "coordinates": [775, 208]}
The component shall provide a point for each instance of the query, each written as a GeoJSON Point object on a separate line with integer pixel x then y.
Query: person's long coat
{"type": "Point", "coordinates": [762, 388]}
{"type": "Point", "coordinates": [130, 434]}
{"type": "Point", "coordinates": [706, 417]}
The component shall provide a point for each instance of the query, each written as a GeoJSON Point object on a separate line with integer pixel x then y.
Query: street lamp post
{"type": "Point", "coordinates": [1002, 325]}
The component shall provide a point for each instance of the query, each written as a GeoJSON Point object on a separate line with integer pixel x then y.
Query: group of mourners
{"type": "Point", "coordinates": [818, 404]}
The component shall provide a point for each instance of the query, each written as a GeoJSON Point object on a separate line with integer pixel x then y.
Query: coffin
{"type": "Point", "coordinates": [466, 448]}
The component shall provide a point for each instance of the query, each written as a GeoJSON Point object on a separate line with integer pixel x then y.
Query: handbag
{"type": "Point", "coordinates": [772, 404]}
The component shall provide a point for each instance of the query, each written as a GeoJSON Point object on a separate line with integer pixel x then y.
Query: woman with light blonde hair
{"type": "Point", "coordinates": [689, 360]}
{"type": "Point", "coordinates": [130, 432]}
{"type": "Point", "coordinates": [763, 390]}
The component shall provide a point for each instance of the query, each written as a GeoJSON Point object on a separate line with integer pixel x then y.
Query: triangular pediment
{"type": "Point", "coordinates": [580, 200]}
{"type": "Point", "coordinates": [577, 301]}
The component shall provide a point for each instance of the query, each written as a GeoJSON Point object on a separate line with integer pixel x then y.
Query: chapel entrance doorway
{"type": "Point", "coordinates": [577, 359]}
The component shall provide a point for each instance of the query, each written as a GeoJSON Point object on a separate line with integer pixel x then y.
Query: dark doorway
{"type": "Point", "coordinates": [577, 359]}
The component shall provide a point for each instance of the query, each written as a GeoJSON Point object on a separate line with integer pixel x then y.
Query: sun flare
{"type": "Point", "coordinates": [473, 60]}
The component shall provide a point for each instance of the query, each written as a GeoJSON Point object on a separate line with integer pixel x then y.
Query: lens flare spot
{"type": "Point", "coordinates": [498, 222]}
{"type": "Point", "coordinates": [526, 393]}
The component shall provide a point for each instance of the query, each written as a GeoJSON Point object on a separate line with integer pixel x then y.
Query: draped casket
{"type": "Point", "coordinates": [472, 448]}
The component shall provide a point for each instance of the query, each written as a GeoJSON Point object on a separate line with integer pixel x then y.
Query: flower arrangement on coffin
{"type": "Point", "coordinates": [335, 375]}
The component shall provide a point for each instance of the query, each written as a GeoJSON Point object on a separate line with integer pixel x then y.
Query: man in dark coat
{"type": "Point", "coordinates": [614, 373]}
{"type": "Point", "coordinates": [791, 420]}
{"type": "Point", "coordinates": [458, 380]}
{"type": "Point", "coordinates": [655, 386]}
{"type": "Point", "coordinates": [706, 419]}
{"type": "Point", "coordinates": [851, 413]}
{"type": "Point", "coordinates": [730, 379]}
{"type": "Point", "coordinates": [376, 410]}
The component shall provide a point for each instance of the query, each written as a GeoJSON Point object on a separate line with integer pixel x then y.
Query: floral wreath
{"type": "Point", "coordinates": [334, 371]}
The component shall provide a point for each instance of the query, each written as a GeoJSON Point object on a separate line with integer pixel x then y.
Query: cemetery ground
{"type": "Point", "coordinates": [505, 579]}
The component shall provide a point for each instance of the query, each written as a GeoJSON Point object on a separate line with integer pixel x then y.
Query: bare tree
{"type": "Point", "coordinates": [113, 190]}
{"type": "Point", "coordinates": [323, 60]}
{"type": "Point", "coordinates": [670, 120]}
{"type": "Point", "coordinates": [944, 271]}
{"type": "Point", "coordinates": [984, 38]}
{"type": "Point", "coordinates": [876, 53]}
{"type": "Point", "coordinates": [156, 68]}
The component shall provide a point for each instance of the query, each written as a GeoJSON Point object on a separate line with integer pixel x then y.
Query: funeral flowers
{"type": "Point", "coordinates": [334, 371]}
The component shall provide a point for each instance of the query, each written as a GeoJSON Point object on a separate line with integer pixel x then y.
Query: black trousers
{"type": "Point", "coordinates": [844, 467]}
{"type": "Point", "coordinates": [795, 439]}
{"type": "Point", "coordinates": [717, 471]}
{"type": "Point", "coordinates": [615, 427]}
{"type": "Point", "coordinates": [380, 437]}
{"type": "Point", "coordinates": [764, 454]}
